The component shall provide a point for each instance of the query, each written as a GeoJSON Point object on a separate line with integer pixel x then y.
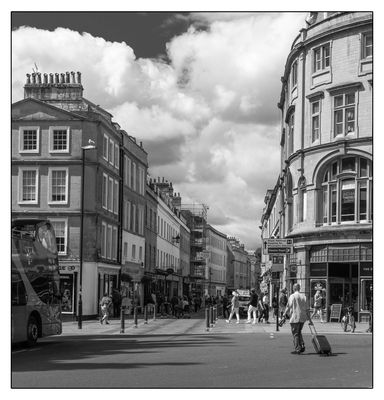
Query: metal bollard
{"type": "Point", "coordinates": [214, 315]}
{"type": "Point", "coordinates": [122, 320]}
{"type": "Point", "coordinates": [135, 316]}
{"type": "Point", "coordinates": [154, 312]}
{"type": "Point", "coordinates": [207, 319]}
{"type": "Point", "coordinates": [211, 315]}
{"type": "Point", "coordinates": [146, 315]}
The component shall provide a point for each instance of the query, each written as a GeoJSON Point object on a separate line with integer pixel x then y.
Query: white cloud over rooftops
{"type": "Point", "coordinates": [208, 118]}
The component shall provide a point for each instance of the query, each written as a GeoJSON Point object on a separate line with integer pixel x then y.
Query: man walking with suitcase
{"type": "Point", "coordinates": [298, 311]}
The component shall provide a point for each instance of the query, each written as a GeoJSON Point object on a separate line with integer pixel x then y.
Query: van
{"type": "Point", "coordinates": [244, 298]}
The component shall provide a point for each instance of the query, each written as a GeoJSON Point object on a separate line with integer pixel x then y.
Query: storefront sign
{"type": "Point", "coordinates": [335, 312]}
{"type": "Point", "coordinates": [68, 268]}
{"type": "Point", "coordinates": [366, 269]}
{"type": "Point", "coordinates": [318, 269]}
{"type": "Point", "coordinates": [293, 268]}
{"type": "Point", "coordinates": [133, 270]}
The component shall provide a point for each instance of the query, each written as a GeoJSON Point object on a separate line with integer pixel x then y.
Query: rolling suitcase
{"type": "Point", "coordinates": [320, 342]}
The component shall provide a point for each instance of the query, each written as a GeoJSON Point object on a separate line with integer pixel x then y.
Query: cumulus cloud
{"type": "Point", "coordinates": [207, 118]}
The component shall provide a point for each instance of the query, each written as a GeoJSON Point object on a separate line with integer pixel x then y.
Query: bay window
{"type": "Point", "coordinates": [346, 193]}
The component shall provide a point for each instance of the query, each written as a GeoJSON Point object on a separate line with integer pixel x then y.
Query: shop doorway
{"type": "Point", "coordinates": [343, 284]}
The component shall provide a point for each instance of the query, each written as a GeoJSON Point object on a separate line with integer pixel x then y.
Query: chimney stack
{"type": "Point", "coordinates": [59, 89]}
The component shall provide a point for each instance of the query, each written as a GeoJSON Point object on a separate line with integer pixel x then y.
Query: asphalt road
{"type": "Point", "coordinates": [214, 360]}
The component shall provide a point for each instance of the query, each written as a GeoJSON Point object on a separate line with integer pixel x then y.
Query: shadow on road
{"type": "Point", "coordinates": [91, 351]}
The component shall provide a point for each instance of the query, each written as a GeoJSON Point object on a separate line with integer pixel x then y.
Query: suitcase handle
{"type": "Point", "coordinates": [311, 325]}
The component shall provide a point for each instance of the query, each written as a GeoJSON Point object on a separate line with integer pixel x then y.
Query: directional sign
{"type": "Point", "coordinates": [279, 242]}
{"type": "Point", "coordinates": [278, 246]}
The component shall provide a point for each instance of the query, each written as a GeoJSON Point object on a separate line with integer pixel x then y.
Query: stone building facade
{"type": "Point", "coordinates": [323, 198]}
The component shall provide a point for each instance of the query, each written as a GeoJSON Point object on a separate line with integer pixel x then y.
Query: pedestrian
{"type": "Point", "coordinates": [186, 305]}
{"type": "Point", "coordinates": [116, 301]}
{"type": "Point", "coordinates": [174, 302]}
{"type": "Point", "coordinates": [283, 301]}
{"type": "Point", "coordinates": [260, 308]}
{"type": "Point", "coordinates": [179, 307]}
{"type": "Point", "coordinates": [105, 304]}
{"type": "Point", "coordinates": [275, 306]}
{"type": "Point", "coordinates": [196, 303]}
{"type": "Point", "coordinates": [225, 307]}
{"type": "Point", "coordinates": [266, 307]}
{"type": "Point", "coordinates": [370, 309]}
{"type": "Point", "coordinates": [252, 307]}
{"type": "Point", "coordinates": [234, 307]}
{"type": "Point", "coordinates": [298, 311]}
{"type": "Point", "coordinates": [317, 305]}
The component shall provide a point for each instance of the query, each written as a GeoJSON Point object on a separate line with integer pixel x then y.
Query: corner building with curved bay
{"type": "Point", "coordinates": [323, 197]}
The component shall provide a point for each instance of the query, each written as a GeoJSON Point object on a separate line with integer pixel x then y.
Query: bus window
{"type": "Point", "coordinates": [46, 238]}
{"type": "Point", "coordinates": [18, 293]}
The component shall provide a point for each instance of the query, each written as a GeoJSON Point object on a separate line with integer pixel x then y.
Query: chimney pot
{"type": "Point", "coordinates": [79, 77]}
{"type": "Point", "coordinates": [56, 77]}
{"type": "Point", "coordinates": [68, 78]}
{"type": "Point", "coordinates": [62, 78]}
{"type": "Point", "coordinates": [45, 78]}
{"type": "Point", "coordinates": [50, 78]}
{"type": "Point", "coordinates": [33, 78]}
{"type": "Point", "coordinates": [73, 79]}
{"type": "Point", "coordinates": [28, 79]}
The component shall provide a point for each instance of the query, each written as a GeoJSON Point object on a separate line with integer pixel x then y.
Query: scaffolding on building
{"type": "Point", "coordinates": [196, 217]}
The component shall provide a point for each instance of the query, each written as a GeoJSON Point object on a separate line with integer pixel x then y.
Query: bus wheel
{"type": "Point", "coordinates": [32, 330]}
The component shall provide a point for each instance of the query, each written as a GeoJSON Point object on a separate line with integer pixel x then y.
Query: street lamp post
{"type": "Point", "coordinates": [90, 146]}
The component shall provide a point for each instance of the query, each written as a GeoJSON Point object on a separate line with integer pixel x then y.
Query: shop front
{"type": "Point", "coordinates": [132, 283]}
{"type": "Point", "coordinates": [69, 273]}
{"type": "Point", "coordinates": [108, 279]}
{"type": "Point", "coordinates": [342, 273]}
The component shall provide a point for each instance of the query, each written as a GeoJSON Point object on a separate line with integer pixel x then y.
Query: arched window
{"type": "Point", "coordinates": [346, 194]}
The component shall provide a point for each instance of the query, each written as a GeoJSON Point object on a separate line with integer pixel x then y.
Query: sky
{"type": "Point", "coordinates": [200, 90]}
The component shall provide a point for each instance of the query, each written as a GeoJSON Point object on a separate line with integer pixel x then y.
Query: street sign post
{"type": "Point", "coordinates": [278, 246]}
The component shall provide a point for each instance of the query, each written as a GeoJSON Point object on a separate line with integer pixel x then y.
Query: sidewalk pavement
{"type": "Point", "coordinates": [171, 326]}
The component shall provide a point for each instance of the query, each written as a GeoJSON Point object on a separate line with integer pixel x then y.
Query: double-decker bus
{"type": "Point", "coordinates": [35, 295]}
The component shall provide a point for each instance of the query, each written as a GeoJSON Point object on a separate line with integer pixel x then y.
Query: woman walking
{"type": "Point", "coordinates": [235, 307]}
{"type": "Point", "coordinates": [317, 304]}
